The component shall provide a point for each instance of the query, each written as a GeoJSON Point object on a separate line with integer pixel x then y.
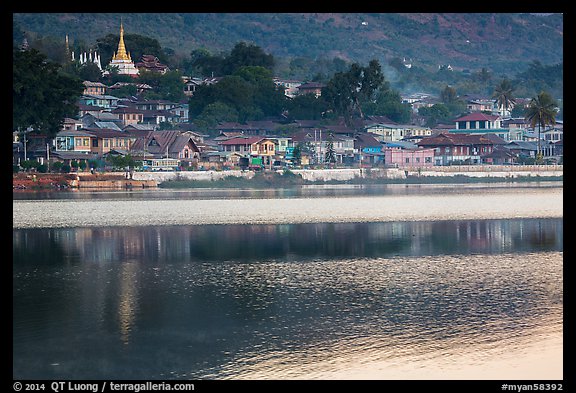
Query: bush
{"type": "Point", "coordinates": [57, 166]}
{"type": "Point", "coordinates": [42, 168]}
{"type": "Point", "coordinates": [66, 168]}
{"type": "Point", "coordinates": [15, 169]}
{"type": "Point", "coordinates": [29, 164]}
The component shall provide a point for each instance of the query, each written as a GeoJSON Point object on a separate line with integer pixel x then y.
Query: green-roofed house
{"type": "Point", "coordinates": [479, 123]}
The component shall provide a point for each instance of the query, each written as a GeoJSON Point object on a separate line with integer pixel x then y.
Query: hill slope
{"type": "Point", "coordinates": [501, 41]}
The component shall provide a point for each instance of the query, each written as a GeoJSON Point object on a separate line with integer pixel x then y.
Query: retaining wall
{"type": "Point", "coordinates": [507, 171]}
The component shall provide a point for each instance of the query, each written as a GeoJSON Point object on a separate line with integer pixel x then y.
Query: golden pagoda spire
{"type": "Point", "coordinates": [121, 53]}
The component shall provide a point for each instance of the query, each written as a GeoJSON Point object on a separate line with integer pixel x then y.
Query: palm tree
{"type": "Point", "coordinates": [541, 111]}
{"type": "Point", "coordinates": [503, 96]}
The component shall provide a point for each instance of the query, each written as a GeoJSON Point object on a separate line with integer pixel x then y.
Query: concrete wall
{"type": "Point", "coordinates": [377, 173]}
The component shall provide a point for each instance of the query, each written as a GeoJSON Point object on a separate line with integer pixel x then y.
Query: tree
{"type": "Point", "coordinates": [503, 93]}
{"type": "Point", "coordinates": [541, 111]}
{"type": "Point", "coordinates": [214, 114]}
{"type": "Point", "coordinates": [448, 95]}
{"type": "Point", "coordinates": [389, 103]}
{"type": "Point", "coordinates": [297, 155]}
{"type": "Point", "coordinates": [306, 107]}
{"type": "Point", "coordinates": [435, 114]}
{"type": "Point", "coordinates": [330, 156]}
{"type": "Point", "coordinates": [244, 54]}
{"type": "Point", "coordinates": [347, 91]}
{"type": "Point", "coordinates": [168, 86]}
{"type": "Point", "coordinates": [42, 96]}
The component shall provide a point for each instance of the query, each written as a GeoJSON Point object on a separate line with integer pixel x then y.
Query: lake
{"type": "Point", "coordinates": [325, 282]}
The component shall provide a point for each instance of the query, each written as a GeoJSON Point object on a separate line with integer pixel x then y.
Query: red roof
{"type": "Point", "coordinates": [445, 139]}
{"type": "Point", "coordinates": [478, 116]}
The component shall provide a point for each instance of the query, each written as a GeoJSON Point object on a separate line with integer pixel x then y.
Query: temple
{"type": "Point", "coordinates": [122, 60]}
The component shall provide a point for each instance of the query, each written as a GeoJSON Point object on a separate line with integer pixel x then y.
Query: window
{"type": "Point", "coordinates": [86, 142]}
{"type": "Point", "coordinates": [428, 160]}
{"type": "Point", "coordinates": [94, 142]}
{"type": "Point", "coordinates": [407, 160]}
{"type": "Point", "coordinates": [417, 159]}
{"type": "Point", "coordinates": [105, 142]}
{"type": "Point", "coordinates": [78, 142]}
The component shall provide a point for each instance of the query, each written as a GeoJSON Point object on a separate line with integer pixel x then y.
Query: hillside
{"type": "Point", "coordinates": [502, 42]}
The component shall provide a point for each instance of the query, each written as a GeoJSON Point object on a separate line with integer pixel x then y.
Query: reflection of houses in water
{"type": "Point", "coordinates": [231, 242]}
{"type": "Point", "coordinates": [127, 299]}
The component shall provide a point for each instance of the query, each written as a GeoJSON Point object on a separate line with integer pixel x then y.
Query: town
{"type": "Point", "coordinates": [112, 133]}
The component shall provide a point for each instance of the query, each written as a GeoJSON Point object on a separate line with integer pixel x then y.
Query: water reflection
{"type": "Point", "coordinates": [284, 242]}
{"type": "Point", "coordinates": [285, 301]}
{"type": "Point", "coordinates": [308, 191]}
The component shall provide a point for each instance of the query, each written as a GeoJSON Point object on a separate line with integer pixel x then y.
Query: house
{"type": "Point", "coordinates": [400, 155]}
{"type": "Point", "coordinates": [87, 109]}
{"type": "Point", "coordinates": [128, 115]}
{"type": "Point", "coordinates": [480, 105]}
{"type": "Point", "coordinates": [89, 119]}
{"type": "Point", "coordinates": [140, 87]}
{"type": "Point", "coordinates": [480, 123]}
{"type": "Point", "coordinates": [105, 139]}
{"type": "Point", "coordinates": [290, 86]}
{"type": "Point", "coordinates": [156, 117]}
{"type": "Point", "coordinates": [154, 105]}
{"type": "Point", "coordinates": [370, 148]}
{"type": "Point", "coordinates": [425, 102]}
{"type": "Point", "coordinates": [181, 112]}
{"type": "Point", "coordinates": [500, 156]}
{"type": "Point", "coordinates": [103, 101]}
{"type": "Point", "coordinates": [523, 148]}
{"type": "Point", "coordinates": [516, 126]}
{"type": "Point", "coordinates": [316, 141]}
{"type": "Point", "coordinates": [390, 132]}
{"type": "Point", "coordinates": [167, 144]}
{"type": "Point", "coordinates": [263, 149]}
{"type": "Point", "coordinates": [450, 148]}
{"type": "Point", "coordinates": [311, 88]}
{"type": "Point", "coordinates": [71, 124]}
{"type": "Point", "coordinates": [190, 85]}
{"type": "Point", "coordinates": [78, 141]}
{"type": "Point", "coordinates": [282, 143]}
{"type": "Point", "coordinates": [94, 88]}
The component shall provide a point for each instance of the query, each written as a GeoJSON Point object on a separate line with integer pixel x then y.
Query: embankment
{"type": "Point", "coordinates": [237, 178]}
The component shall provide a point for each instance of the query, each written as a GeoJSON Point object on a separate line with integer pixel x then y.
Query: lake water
{"type": "Point", "coordinates": [337, 282]}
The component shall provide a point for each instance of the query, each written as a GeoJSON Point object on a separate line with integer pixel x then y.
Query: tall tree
{"type": "Point", "coordinates": [347, 91]}
{"type": "Point", "coordinates": [541, 111]}
{"type": "Point", "coordinates": [330, 156]}
{"type": "Point", "coordinates": [503, 94]}
{"type": "Point", "coordinates": [244, 54]}
{"type": "Point", "coordinates": [42, 96]}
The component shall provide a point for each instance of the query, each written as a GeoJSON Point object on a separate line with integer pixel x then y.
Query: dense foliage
{"type": "Point", "coordinates": [41, 95]}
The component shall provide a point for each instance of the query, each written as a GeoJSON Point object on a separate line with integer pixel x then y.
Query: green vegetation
{"type": "Point", "coordinates": [41, 95]}
{"type": "Point", "coordinates": [541, 112]}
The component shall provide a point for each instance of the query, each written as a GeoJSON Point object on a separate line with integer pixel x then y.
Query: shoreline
{"type": "Point", "coordinates": [30, 182]}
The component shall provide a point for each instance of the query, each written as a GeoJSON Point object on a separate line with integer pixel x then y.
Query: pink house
{"type": "Point", "coordinates": [403, 158]}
